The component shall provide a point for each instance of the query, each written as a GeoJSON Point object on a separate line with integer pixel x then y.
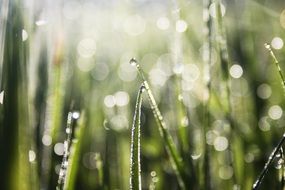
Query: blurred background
{"type": "Point", "coordinates": [215, 84]}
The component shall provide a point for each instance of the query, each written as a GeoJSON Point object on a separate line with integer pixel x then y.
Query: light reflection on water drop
{"type": "Point", "coordinates": [75, 115]}
{"type": "Point", "coordinates": [133, 62]}
{"type": "Point", "coordinates": [267, 46]}
{"type": "Point", "coordinates": [32, 155]}
{"type": "Point", "coordinates": [1, 97]}
{"type": "Point", "coordinates": [24, 35]}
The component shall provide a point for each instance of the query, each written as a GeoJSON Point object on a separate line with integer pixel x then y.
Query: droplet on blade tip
{"type": "Point", "coordinates": [267, 46]}
{"type": "Point", "coordinates": [143, 88]}
{"type": "Point", "coordinates": [133, 62]}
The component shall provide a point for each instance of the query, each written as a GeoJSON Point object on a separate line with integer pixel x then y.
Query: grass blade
{"type": "Point", "coordinates": [273, 155]}
{"type": "Point", "coordinates": [175, 158]}
{"type": "Point", "coordinates": [135, 165]}
{"type": "Point", "coordinates": [72, 116]}
{"type": "Point", "coordinates": [75, 153]}
{"type": "Point", "coordinates": [268, 47]}
{"type": "Point", "coordinates": [277, 149]}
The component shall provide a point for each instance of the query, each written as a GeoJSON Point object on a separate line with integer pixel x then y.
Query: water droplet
{"type": "Point", "coordinates": [279, 163]}
{"type": "Point", "coordinates": [24, 35]}
{"type": "Point", "coordinates": [184, 121]}
{"type": "Point", "coordinates": [143, 88]}
{"type": "Point", "coordinates": [1, 97]}
{"type": "Point", "coordinates": [65, 164]}
{"type": "Point", "coordinates": [32, 155]}
{"type": "Point", "coordinates": [61, 173]}
{"type": "Point", "coordinates": [65, 146]}
{"type": "Point", "coordinates": [196, 156]}
{"type": "Point", "coordinates": [267, 46]}
{"type": "Point", "coordinates": [75, 115]}
{"type": "Point", "coordinates": [134, 62]}
{"type": "Point", "coordinates": [67, 130]}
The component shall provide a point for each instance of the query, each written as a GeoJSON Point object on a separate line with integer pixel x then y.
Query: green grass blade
{"type": "Point", "coordinates": [268, 47]}
{"type": "Point", "coordinates": [205, 178]}
{"type": "Point", "coordinates": [65, 172]}
{"type": "Point", "coordinates": [75, 153]}
{"type": "Point", "coordinates": [135, 167]}
{"type": "Point", "coordinates": [175, 158]}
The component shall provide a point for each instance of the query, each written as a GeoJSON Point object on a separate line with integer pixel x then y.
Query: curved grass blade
{"type": "Point", "coordinates": [175, 158]}
{"type": "Point", "coordinates": [135, 167]}
{"type": "Point", "coordinates": [268, 47]}
{"type": "Point", "coordinates": [259, 180]}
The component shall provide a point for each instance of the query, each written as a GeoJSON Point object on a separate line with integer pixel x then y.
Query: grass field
{"type": "Point", "coordinates": [142, 94]}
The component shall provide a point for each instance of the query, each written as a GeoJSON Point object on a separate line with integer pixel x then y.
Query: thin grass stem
{"type": "Point", "coordinates": [273, 155]}
{"type": "Point", "coordinates": [135, 163]}
{"type": "Point", "coordinates": [175, 158]}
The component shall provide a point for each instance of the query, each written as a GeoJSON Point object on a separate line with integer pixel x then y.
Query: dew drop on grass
{"type": "Point", "coordinates": [279, 163]}
{"type": "Point", "coordinates": [143, 88]}
{"type": "Point", "coordinates": [24, 35]}
{"type": "Point", "coordinates": [67, 130]}
{"type": "Point", "coordinates": [196, 156]}
{"type": "Point", "coordinates": [267, 46]}
{"type": "Point", "coordinates": [75, 115]}
{"type": "Point", "coordinates": [32, 155]}
{"type": "Point", "coordinates": [134, 62]}
{"type": "Point", "coordinates": [1, 97]}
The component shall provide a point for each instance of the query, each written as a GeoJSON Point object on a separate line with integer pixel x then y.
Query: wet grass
{"type": "Point", "coordinates": [210, 114]}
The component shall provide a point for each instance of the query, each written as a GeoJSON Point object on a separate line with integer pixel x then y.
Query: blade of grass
{"type": "Point", "coordinates": [282, 169]}
{"type": "Point", "coordinates": [14, 120]}
{"type": "Point", "coordinates": [268, 47]}
{"type": "Point", "coordinates": [208, 46]}
{"type": "Point", "coordinates": [273, 155]}
{"type": "Point", "coordinates": [175, 158]}
{"type": "Point", "coordinates": [225, 62]}
{"type": "Point", "coordinates": [135, 164]}
{"type": "Point", "coordinates": [72, 116]}
{"type": "Point", "coordinates": [259, 180]}
{"type": "Point", "coordinates": [74, 157]}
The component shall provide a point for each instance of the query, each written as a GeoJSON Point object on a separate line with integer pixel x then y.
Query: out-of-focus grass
{"type": "Point", "coordinates": [74, 54]}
